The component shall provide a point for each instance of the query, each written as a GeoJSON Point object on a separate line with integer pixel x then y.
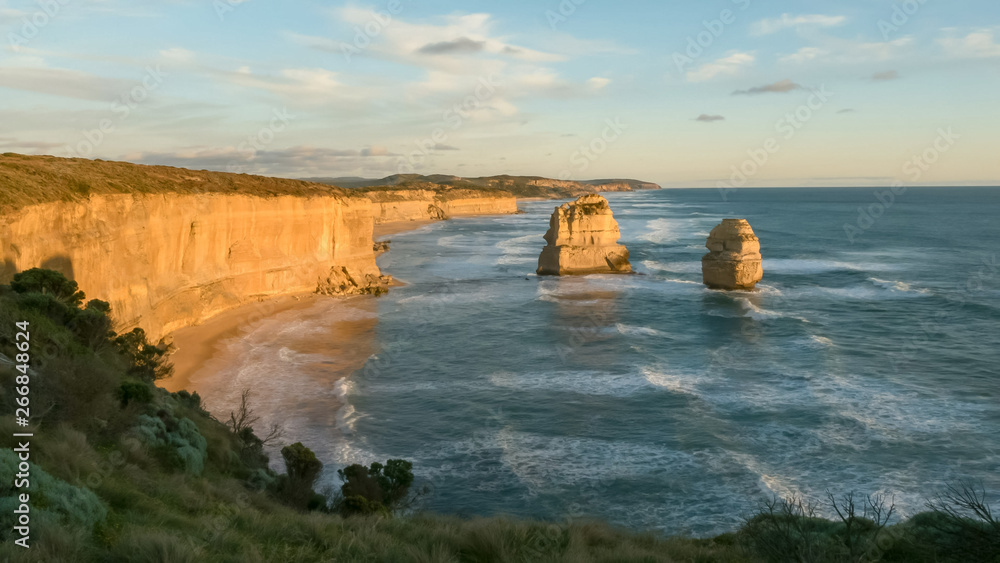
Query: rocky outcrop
{"type": "Point", "coordinates": [583, 239]}
{"type": "Point", "coordinates": [173, 260]}
{"type": "Point", "coordinates": [734, 260]}
{"type": "Point", "coordinates": [344, 280]}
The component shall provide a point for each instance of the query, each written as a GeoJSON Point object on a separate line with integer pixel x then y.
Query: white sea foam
{"type": "Point", "coordinates": [897, 286]}
{"type": "Point", "coordinates": [660, 231]}
{"type": "Point", "coordinates": [674, 267]}
{"type": "Point", "coordinates": [628, 330]}
{"type": "Point", "coordinates": [685, 384]}
{"type": "Point", "coordinates": [806, 266]}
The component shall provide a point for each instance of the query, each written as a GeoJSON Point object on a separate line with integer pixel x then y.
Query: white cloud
{"type": "Point", "coordinates": [598, 82]}
{"type": "Point", "coordinates": [804, 55]}
{"type": "Point", "coordinates": [729, 65]}
{"type": "Point", "coordinates": [787, 21]}
{"type": "Point", "coordinates": [979, 44]}
{"type": "Point", "coordinates": [841, 51]}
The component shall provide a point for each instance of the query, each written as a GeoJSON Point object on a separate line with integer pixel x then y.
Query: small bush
{"type": "Point", "coordinates": [49, 282]}
{"type": "Point", "coordinates": [176, 441]}
{"type": "Point", "coordinates": [52, 500]}
{"type": "Point", "coordinates": [303, 468]}
{"type": "Point", "coordinates": [132, 390]}
{"type": "Point", "coordinates": [375, 489]}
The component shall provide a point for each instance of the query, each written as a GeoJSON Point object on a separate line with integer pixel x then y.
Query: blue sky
{"type": "Point", "coordinates": [721, 92]}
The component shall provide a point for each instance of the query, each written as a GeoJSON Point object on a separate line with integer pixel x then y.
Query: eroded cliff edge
{"type": "Point", "coordinates": [170, 247]}
{"type": "Point", "coordinates": [173, 260]}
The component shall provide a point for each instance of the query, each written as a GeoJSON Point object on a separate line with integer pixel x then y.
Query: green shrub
{"type": "Point", "coordinates": [176, 441]}
{"type": "Point", "coordinates": [145, 361]}
{"type": "Point", "coordinates": [49, 282]}
{"type": "Point", "coordinates": [303, 468]}
{"type": "Point", "coordinates": [52, 500]}
{"type": "Point", "coordinates": [382, 488]}
{"type": "Point", "coordinates": [132, 390]}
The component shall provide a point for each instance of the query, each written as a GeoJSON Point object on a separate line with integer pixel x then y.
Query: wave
{"type": "Point", "coordinates": [898, 286]}
{"type": "Point", "coordinates": [627, 330]}
{"type": "Point", "coordinates": [808, 266]}
{"type": "Point", "coordinates": [674, 267]}
{"type": "Point", "coordinates": [683, 384]}
{"type": "Point", "coordinates": [661, 231]}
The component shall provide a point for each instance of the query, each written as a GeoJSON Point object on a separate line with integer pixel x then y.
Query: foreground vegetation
{"type": "Point", "coordinates": [124, 471]}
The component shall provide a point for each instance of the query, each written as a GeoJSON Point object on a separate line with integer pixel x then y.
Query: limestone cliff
{"type": "Point", "coordinates": [734, 260]}
{"type": "Point", "coordinates": [436, 204]}
{"type": "Point", "coordinates": [583, 239]}
{"type": "Point", "coordinates": [172, 260]}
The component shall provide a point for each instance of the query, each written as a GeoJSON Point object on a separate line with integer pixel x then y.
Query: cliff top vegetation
{"type": "Point", "coordinates": [30, 180]}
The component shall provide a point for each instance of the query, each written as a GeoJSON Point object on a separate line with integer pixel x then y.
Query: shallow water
{"type": "Point", "coordinates": [649, 400]}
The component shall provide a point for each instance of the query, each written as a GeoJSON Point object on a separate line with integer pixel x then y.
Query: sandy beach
{"type": "Point", "coordinates": [199, 350]}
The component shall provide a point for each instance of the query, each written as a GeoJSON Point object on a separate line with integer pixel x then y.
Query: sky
{"type": "Point", "coordinates": [717, 93]}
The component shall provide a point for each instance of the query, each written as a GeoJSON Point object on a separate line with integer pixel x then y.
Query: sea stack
{"type": "Point", "coordinates": [734, 260]}
{"type": "Point", "coordinates": [583, 239]}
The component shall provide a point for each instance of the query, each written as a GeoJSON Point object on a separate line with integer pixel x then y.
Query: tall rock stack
{"type": "Point", "coordinates": [734, 260]}
{"type": "Point", "coordinates": [583, 239]}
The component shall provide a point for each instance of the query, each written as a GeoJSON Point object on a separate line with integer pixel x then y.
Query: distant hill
{"type": "Point", "coordinates": [520, 186]}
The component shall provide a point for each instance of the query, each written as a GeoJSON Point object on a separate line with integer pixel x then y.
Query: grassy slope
{"type": "Point", "coordinates": [29, 180]}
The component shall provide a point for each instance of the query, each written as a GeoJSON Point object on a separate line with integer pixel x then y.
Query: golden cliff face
{"type": "Point", "coordinates": [173, 260]}
{"type": "Point", "coordinates": [166, 261]}
{"type": "Point", "coordinates": [427, 205]}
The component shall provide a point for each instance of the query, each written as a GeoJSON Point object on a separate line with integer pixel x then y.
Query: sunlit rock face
{"type": "Point", "coordinates": [583, 239]}
{"type": "Point", "coordinates": [734, 260]}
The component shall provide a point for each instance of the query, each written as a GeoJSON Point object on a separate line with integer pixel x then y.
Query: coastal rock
{"type": "Point", "coordinates": [349, 281]}
{"type": "Point", "coordinates": [734, 260]}
{"type": "Point", "coordinates": [583, 239]}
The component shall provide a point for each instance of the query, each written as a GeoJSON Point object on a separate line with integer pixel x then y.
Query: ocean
{"type": "Point", "coordinates": [867, 361]}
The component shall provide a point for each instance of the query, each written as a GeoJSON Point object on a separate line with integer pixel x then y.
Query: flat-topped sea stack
{"type": "Point", "coordinates": [734, 260]}
{"type": "Point", "coordinates": [583, 239]}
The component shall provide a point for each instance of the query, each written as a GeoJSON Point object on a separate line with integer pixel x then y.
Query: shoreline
{"type": "Point", "coordinates": [196, 346]}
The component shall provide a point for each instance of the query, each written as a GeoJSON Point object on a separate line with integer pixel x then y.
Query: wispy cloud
{"type": "Point", "coordinates": [788, 21]}
{"type": "Point", "coordinates": [804, 55]}
{"type": "Point", "coordinates": [709, 118]}
{"type": "Point", "coordinates": [979, 44]}
{"type": "Point", "coordinates": [729, 65]}
{"type": "Point", "coordinates": [460, 45]}
{"type": "Point", "coordinates": [300, 161]}
{"type": "Point", "coordinates": [780, 87]}
{"type": "Point", "coordinates": [64, 83]}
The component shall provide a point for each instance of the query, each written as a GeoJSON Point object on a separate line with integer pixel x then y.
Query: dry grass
{"type": "Point", "coordinates": [30, 180]}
